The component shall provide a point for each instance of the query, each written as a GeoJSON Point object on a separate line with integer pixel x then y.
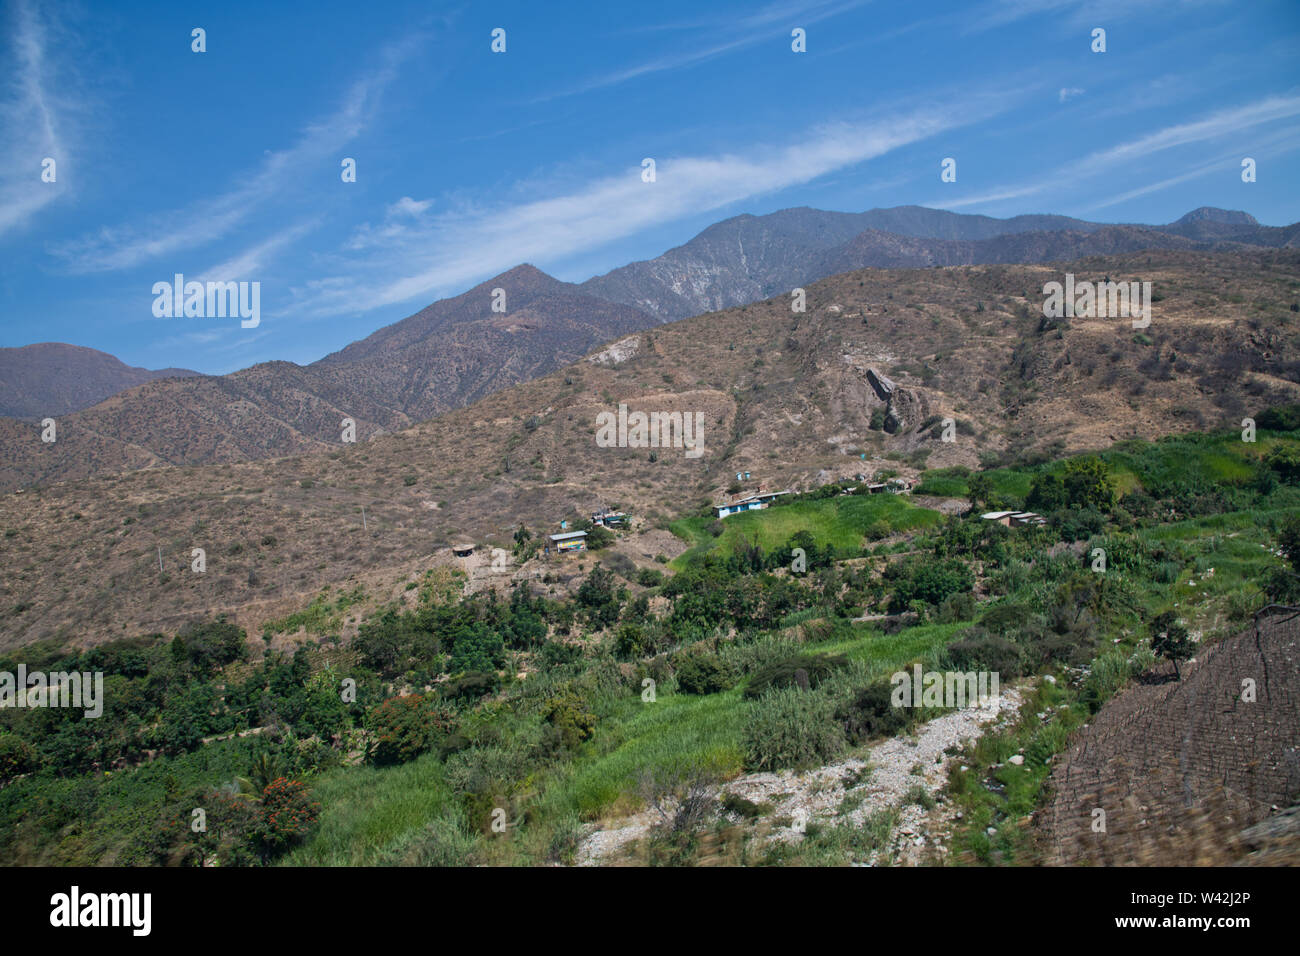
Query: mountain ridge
{"type": "Point", "coordinates": [460, 349]}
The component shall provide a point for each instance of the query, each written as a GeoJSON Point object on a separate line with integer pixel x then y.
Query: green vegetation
{"type": "Point", "coordinates": [419, 744]}
{"type": "Point", "coordinates": [839, 524]}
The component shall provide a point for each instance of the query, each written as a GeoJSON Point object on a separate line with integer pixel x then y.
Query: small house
{"type": "Point", "coordinates": [749, 503]}
{"type": "Point", "coordinates": [1012, 519]}
{"type": "Point", "coordinates": [568, 541]}
{"type": "Point", "coordinates": [999, 517]}
{"type": "Point", "coordinates": [1027, 517]}
{"type": "Point", "coordinates": [609, 519]}
{"type": "Point", "coordinates": [462, 549]}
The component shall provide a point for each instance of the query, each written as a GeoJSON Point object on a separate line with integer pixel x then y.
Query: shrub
{"type": "Point", "coordinates": [1005, 617]}
{"type": "Point", "coordinates": [286, 813]}
{"type": "Point", "coordinates": [621, 565]}
{"type": "Point", "coordinates": [701, 673]}
{"type": "Point", "coordinates": [929, 581]}
{"type": "Point", "coordinates": [650, 577]}
{"type": "Point", "coordinates": [738, 806]}
{"type": "Point", "coordinates": [476, 648]}
{"type": "Point", "coordinates": [871, 713]}
{"type": "Point", "coordinates": [471, 685]}
{"type": "Point", "coordinates": [980, 651]}
{"type": "Point", "coordinates": [1285, 461]}
{"type": "Point", "coordinates": [1169, 639]}
{"type": "Point", "coordinates": [785, 672]}
{"type": "Point", "coordinates": [791, 728]}
{"type": "Point", "coordinates": [405, 727]}
{"type": "Point", "coordinates": [1281, 418]}
{"type": "Point", "coordinates": [16, 756]}
{"type": "Point", "coordinates": [957, 607]}
{"type": "Point", "coordinates": [570, 716]}
{"type": "Point", "coordinates": [1077, 524]}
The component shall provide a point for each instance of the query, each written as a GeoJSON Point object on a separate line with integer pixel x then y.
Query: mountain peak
{"type": "Point", "coordinates": [1228, 217]}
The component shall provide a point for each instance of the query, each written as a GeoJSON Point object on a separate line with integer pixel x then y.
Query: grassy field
{"type": "Point", "coordinates": [367, 811]}
{"type": "Point", "coordinates": [1212, 459]}
{"type": "Point", "coordinates": [841, 522]}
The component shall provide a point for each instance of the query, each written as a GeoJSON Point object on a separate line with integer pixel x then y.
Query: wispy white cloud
{"type": "Point", "coordinates": [1283, 141]}
{"type": "Point", "coordinates": [34, 124]}
{"type": "Point", "coordinates": [1216, 125]}
{"type": "Point", "coordinates": [203, 222]}
{"type": "Point", "coordinates": [1071, 14]}
{"type": "Point", "coordinates": [398, 220]}
{"type": "Point", "coordinates": [253, 260]}
{"type": "Point", "coordinates": [1069, 92]}
{"type": "Point", "coordinates": [746, 31]}
{"type": "Point", "coordinates": [424, 253]}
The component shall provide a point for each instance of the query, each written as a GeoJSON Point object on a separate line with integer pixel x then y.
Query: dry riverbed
{"type": "Point", "coordinates": [846, 793]}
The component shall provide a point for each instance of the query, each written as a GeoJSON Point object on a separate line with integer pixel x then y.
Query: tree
{"type": "Point", "coordinates": [405, 727]}
{"type": "Point", "coordinates": [1285, 460]}
{"type": "Point", "coordinates": [980, 489]}
{"type": "Point", "coordinates": [599, 537]}
{"type": "Point", "coordinates": [287, 813]}
{"type": "Point", "coordinates": [1282, 585]}
{"type": "Point", "coordinates": [599, 598]}
{"type": "Point", "coordinates": [476, 647]}
{"type": "Point", "coordinates": [1084, 483]}
{"type": "Point", "coordinates": [1169, 639]}
{"type": "Point", "coordinates": [1289, 541]}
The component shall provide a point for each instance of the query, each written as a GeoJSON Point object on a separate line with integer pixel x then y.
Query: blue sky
{"type": "Point", "coordinates": [226, 164]}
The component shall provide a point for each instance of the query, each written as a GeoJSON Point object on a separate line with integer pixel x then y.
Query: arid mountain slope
{"type": "Point", "coordinates": [1181, 768]}
{"type": "Point", "coordinates": [52, 378]}
{"type": "Point", "coordinates": [787, 397]}
{"type": "Point", "coordinates": [460, 349]}
{"type": "Point", "coordinates": [747, 258]}
{"type": "Point", "coordinates": [444, 357]}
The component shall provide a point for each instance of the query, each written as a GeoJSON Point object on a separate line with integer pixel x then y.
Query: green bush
{"type": "Point", "coordinates": [784, 672]}
{"type": "Point", "coordinates": [650, 577]}
{"type": "Point", "coordinates": [980, 651]}
{"type": "Point", "coordinates": [790, 729]}
{"type": "Point", "coordinates": [569, 715]}
{"type": "Point", "coordinates": [16, 756]}
{"type": "Point", "coordinates": [957, 607]}
{"type": "Point", "coordinates": [871, 713]}
{"type": "Point", "coordinates": [1280, 418]}
{"type": "Point", "coordinates": [701, 673]}
{"type": "Point", "coordinates": [405, 727]}
{"type": "Point", "coordinates": [929, 581]}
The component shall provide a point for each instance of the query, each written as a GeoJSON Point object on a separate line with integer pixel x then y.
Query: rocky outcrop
{"type": "Point", "coordinates": [882, 386]}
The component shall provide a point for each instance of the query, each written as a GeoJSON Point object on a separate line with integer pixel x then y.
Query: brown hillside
{"type": "Point", "coordinates": [784, 396]}
{"type": "Point", "coordinates": [1184, 769]}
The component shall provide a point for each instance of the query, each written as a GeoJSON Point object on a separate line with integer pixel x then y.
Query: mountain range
{"type": "Point", "coordinates": [860, 383]}
{"type": "Point", "coordinates": [52, 378]}
{"type": "Point", "coordinates": [458, 350]}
